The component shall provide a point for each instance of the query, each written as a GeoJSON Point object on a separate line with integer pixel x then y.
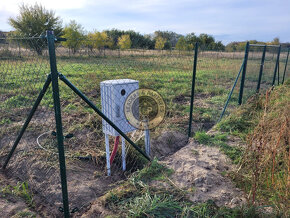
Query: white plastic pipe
{"type": "Point", "coordinates": [123, 154]}
{"type": "Point", "coordinates": [108, 154]}
{"type": "Point", "coordinates": [147, 139]}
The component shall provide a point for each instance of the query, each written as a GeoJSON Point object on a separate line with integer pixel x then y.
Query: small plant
{"type": "Point", "coordinates": [194, 152]}
{"type": "Point", "coordinates": [25, 213]}
{"type": "Point", "coordinates": [203, 138]}
{"type": "Point", "coordinates": [154, 171]}
{"type": "Point", "coordinates": [20, 189]}
{"type": "Point", "coordinates": [153, 206]}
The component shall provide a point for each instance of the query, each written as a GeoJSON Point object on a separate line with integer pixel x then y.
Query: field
{"type": "Point", "coordinates": [22, 75]}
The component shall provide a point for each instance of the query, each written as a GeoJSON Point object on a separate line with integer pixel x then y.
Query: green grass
{"type": "Point", "coordinates": [20, 189]}
{"type": "Point", "coordinates": [25, 213]}
{"type": "Point", "coordinates": [137, 198]}
{"type": "Point", "coordinates": [153, 206]}
{"type": "Point", "coordinates": [263, 172]}
{"type": "Point", "coordinates": [233, 152]}
{"type": "Point", "coordinates": [22, 78]}
{"type": "Point", "coordinates": [169, 75]}
{"type": "Point", "coordinates": [154, 171]}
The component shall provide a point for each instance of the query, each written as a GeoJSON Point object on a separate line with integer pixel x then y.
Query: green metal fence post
{"type": "Point", "coordinates": [261, 69]}
{"type": "Point", "coordinates": [231, 92]}
{"type": "Point", "coordinates": [192, 88]}
{"type": "Point", "coordinates": [285, 66]}
{"type": "Point", "coordinates": [25, 125]}
{"type": "Point", "coordinates": [57, 110]}
{"type": "Point", "coordinates": [244, 73]}
{"type": "Point", "coordinates": [276, 66]}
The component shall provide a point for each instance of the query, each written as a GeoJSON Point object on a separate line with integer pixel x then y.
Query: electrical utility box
{"type": "Point", "coordinates": [113, 96]}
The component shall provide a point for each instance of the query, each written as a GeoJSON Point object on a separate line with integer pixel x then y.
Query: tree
{"type": "Point", "coordinates": [206, 41]}
{"type": "Point", "coordinates": [74, 34]}
{"type": "Point", "coordinates": [124, 42]}
{"type": "Point", "coordinates": [181, 44]}
{"type": "Point", "coordinates": [219, 46]}
{"type": "Point", "coordinates": [171, 38]}
{"type": "Point", "coordinates": [138, 40]}
{"type": "Point", "coordinates": [275, 41]}
{"type": "Point", "coordinates": [191, 39]}
{"type": "Point", "coordinates": [160, 43]}
{"type": "Point", "coordinates": [34, 21]}
{"type": "Point", "coordinates": [99, 40]}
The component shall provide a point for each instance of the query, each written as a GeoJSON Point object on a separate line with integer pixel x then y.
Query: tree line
{"type": "Point", "coordinates": [114, 38]}
{"type": "Point", "coordinates": [240, 46]}
{"type": "Point", "coordinates": [35, 20]}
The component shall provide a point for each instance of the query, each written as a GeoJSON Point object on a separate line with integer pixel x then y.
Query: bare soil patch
{"type": "Point", "coordinates": [12, 205]}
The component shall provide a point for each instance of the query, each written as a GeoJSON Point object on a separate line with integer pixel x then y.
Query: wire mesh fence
{"type": "Point", "coordinates": [24, 70]}
{"type": "Point", "coordinates": [167, 72]}
{"type": "Point", "coordinates": [216, 72]}
{"type": "Point", "coordinates": [89, 146]}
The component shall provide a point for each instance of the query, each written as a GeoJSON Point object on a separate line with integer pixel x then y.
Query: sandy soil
{"type": "Point", "coordinates": [200, 169]}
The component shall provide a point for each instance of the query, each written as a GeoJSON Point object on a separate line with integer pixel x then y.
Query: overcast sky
{"type": "Point", "coordinates": [226, 20]}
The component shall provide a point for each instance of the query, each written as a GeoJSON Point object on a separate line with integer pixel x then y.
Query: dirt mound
{"type": "Point", "coordinates": [200, 169]}
{"type": "Point", "coordinates": [168, 143]}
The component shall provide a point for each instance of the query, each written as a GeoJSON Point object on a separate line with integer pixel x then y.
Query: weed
{"type": "Point", "coordinates": [154, 171]}
{"type": "Point", "coordinates": [243, 119]}
{"type": "Point", "coordinates": [194, 152]}
{"type": "Point", "coordinates": [153, 206]}
{"type": "Point", "coordinates": [20, 189]}
{"type": "Point", "coordinates": [264, 170]}
{"type": "Point", "coordinates": [25, 213]}
{"type": "Point", "coordinates": [203, 138]}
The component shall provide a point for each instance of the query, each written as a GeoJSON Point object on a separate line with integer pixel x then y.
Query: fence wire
{"type": "Point", "coordinates": [24, 69]}
{"type": "Point", "coordinates": [167, 72]}
{"type": "Point", "coordinates": [216, 72]}
{"type": "Point", "coordinates": [24, 66]}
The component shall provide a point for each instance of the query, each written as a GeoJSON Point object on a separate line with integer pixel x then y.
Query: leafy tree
{"type": "Point", "coordinates": [181, 44]}
{"type": "Point", "coordinates": [124, 42]}
{"type": "Point", "coordinates": [109, 43]}
{"type": "Point", "coordinates": [149, 43]}
{"type": "Point", "coordinates": [231, 46]}
{"type": "Point", "coordinates": [138, 40]}
{"type": "Point", "coordinates": [219, 46]}
{"type": "Point", "coordinates": [99, 40]}
{"type": "Point", "coordinates": [275, 41]}
{"type": "Point", "coordinates": [34, 21]}
{"type": "Point", "coordinates": [74, 33]}
{"type": "Point", "coordinates": [206, 41]}
{"type": "Point", "coordinates": [171, 38]}
{"type": "Point", "coordinates": [191, 39]}
{"type": "Point", "coordinates": [160, 43]}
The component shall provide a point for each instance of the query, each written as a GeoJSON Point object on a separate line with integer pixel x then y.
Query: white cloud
{"type": "Point", "coordinates": [13, 5]}
{"type": "Point", "coordinates": [230, 18]}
